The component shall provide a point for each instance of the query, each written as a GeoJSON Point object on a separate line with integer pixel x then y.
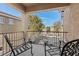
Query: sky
{"type": "Point", "coordinates": [7, 9]}
{"type": "Point", "coordinates": [48, 17]}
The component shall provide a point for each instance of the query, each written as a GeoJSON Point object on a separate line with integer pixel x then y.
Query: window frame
{"type": "Point", "coordinates": [1, 20]}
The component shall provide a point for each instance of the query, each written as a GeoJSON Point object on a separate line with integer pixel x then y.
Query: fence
{"type": "Point", "coordinates": [16, 38]}
{"type": "Point", "coordinates": [52, 36]}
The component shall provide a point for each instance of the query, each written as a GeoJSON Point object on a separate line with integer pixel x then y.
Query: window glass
{"type": "Point", "coordinates": [11, 21]}
{"type": "Point", "coordinates": [1, 20]}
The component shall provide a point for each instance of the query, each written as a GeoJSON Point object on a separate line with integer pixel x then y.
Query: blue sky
{"type": "Point", "coordinates": [48, 17]}
{"type": "Point", "coordinates": [7, 9]}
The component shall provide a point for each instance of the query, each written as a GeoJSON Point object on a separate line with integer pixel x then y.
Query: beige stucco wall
{"type": "Point", "coordinates": [67, 22]}
{"type": "Point", "coordinates": [75, 20]}
{"type": "Point", "coordinates": [71, 21]}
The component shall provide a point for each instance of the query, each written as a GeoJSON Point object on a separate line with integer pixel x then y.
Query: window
{"type": "Point", "coordinates": [1, 20]}
{"type": "Point", "coordinates": [11, 21]}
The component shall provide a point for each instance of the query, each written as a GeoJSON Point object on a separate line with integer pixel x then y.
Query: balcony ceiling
{"type": "Point", "coordinates": [41, 6]}
{"type": "Point", "coordinates": [29, 4]}
{"type": "Point", "coordinates": [28, 7]}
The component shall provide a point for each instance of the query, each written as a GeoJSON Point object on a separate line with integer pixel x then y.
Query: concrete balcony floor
{"type": "Point", "coordinates": [38, 50]}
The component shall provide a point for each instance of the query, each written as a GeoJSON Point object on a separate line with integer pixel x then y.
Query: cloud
{"type": "Point", "coordinates": [44, 18]}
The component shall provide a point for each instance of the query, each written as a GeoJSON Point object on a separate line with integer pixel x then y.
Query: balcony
{"type": "Point", "coordinates": [16, 40]}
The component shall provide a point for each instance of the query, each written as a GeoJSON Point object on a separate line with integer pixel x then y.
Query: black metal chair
{"type": "Point", "coordinates": [19, 49]}
{"type": "Point", "coordinates": [52, 50]}
{"type": "Point", "coordinates": [71, 48]}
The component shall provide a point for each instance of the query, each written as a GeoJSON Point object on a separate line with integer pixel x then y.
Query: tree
{"type": "Point", "coordinates": [35, 23]}
{"type": "Point", "coordinates": [58, 26]}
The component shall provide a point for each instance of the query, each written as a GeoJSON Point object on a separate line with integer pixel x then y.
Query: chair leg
{"type": "Point", "coordinates": [10, 53]}
{"type": "Point", "coordinates": [31, 48]}
{"type": "Point", "coordinates": [45, 48]}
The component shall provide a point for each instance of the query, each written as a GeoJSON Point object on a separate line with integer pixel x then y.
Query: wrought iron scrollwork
{"type": "Point", "coordinates": [71, 48]}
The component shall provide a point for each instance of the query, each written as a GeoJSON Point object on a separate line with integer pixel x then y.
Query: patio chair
{"type": "Point", "coordinates": [19, 49]}
{"type": "Point", "coordinates": [52, 50]}
{"type": "Point", "coordinates": [71, 48]}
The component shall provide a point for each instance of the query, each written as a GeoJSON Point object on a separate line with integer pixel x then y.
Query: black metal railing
{"type": "Point", "coordinates": [36, 36]}
{"type": "Point", "coordinates": [16, 38]}
{"type": "Point", "coordinates": [48, 39]}
{"type": "Point", "coordinates": [56, 39]}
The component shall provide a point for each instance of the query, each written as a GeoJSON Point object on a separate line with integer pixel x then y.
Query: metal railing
{"type": "Point", "coordinates": [17, 38]}
{"type": "Point", "coordinates": [53, 39]}
{"type": "Point", "coordinates": [36, 36]}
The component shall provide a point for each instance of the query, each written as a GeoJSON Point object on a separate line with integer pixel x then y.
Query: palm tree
{"type": "Point", "coordinates": [57, 26]}
{"type": "Point", "coordinates": [35, 24]}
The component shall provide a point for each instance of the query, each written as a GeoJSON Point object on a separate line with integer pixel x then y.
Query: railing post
{"type": "Point", "coordinates": [60, 47]}
{"type": "Point", "coordinates": [31, 47]}
{"type": "Point", "coordinates": [45, 48]}
{"type": "Point", "coordinates": [2, 45]}
{"type": "Point", "coordinates": [24, 39]}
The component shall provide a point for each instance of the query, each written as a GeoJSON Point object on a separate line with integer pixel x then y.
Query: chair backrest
{"type": "Point", "coordinates": [71, 48]}
{"type": "Point", "coordinates": [9, 43]}
{"type": "Point", "coordinates": [20, 48]}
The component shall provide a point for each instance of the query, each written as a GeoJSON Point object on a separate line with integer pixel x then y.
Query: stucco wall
{"type": "Point", "coordinates": [71, 21]}
{"type": "Point", "coordinates": [75, 20]}
{"type": "Point", "coordinates": [67, 22]}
